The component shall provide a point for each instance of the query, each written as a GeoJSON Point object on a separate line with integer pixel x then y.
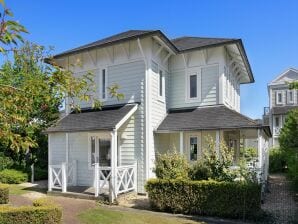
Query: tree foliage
{"type": "Point", "coordinates": [288, 138]}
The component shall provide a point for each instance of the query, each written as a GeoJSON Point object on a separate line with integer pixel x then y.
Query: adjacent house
{"type": "Point", "coordinates": [281, 100]}
{"type": "Point", "coordinates": [177, 92]}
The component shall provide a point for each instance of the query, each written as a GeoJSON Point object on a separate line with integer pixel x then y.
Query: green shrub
{"type": "Point", "coordinates": [199, 172]}
{"type": "Point", "coordinates": [277, 160]}
{"type": "Point", "coordinates": [41, 212]}
{"type": "Point", "coordinates": [292, 171]}
{"type": "Point", "coordinates": [171, 165]}
{"type": "Point", "coordinates": [4, 193]}
{"type": "Point", "coordinates": [40, 173]}
{"type": "Point", "coordinates": [5, 162]}
{"type": "Point", "coordinates": [10, 176]}
{"type": "Point", "coordinates": [224, 199]}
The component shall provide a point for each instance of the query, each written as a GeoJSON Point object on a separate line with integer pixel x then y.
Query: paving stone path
{"type": "Point", "coordinates": [279, 201]}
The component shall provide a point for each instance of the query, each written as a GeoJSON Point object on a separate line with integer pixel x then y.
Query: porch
{"type": "Point", "coordinates": [93, 153]}
{"type": "Point", "coordinates": [63, 178]}
{"type": "Point", "coordinates": [189, 131]}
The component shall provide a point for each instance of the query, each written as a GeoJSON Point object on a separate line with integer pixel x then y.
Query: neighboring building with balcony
{"type": "Point", "coordinates": [281, 100]}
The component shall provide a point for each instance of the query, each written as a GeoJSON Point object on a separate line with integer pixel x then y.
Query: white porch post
{"type": "Point", "coordinates": [50, 181]}
{"type": "Point", "coordinates": [96, 179]}
{"type": "Point", "coordinates": [64, 177]}
{"type": "Point", "coordinates": [181, 143]}
{"type": "Point", "coordinates": [260, 150]}
{"type": "Point", "coordinates": [66, 147]}
{"type": "Point", "coordinates": [217, 142]}
{"type": "Point", "coordinates": [114, 145]}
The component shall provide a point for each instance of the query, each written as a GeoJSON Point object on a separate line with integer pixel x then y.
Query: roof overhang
{"type": "Point", "coordinates": [109, 118]}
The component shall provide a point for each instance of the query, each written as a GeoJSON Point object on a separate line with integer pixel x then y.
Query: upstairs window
{"type": "Point", "coordinates": [103, 83]}
{"type": "Point", "coordinates": [279, 99]}
{"type": "Point", "coordinates": [290, 96]}
{"type": "Point", "coordinates": [161, 85]}
{"type": "Point", "coordinates": [193, 86]}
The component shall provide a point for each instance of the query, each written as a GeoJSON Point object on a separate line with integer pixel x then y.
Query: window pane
{"type": "Point", "coordinates": [193, 148]}
{"type": "Point", "coordinates": [193, 86]}
{"type": "Point", "coordinates": [290, 96]}
{"type": "Point", "coordinates": [103, 83]}
{"type": "Point", "coordinates": [93, 156]}
{"type": "Point", "coordinates": [277, 121]}
{"type": "Point", "coordinates": [104, 152]}
{"type": "Point", "coordinates": [160, 83]}
{"type": "Point", "coordinates": [279, 98]}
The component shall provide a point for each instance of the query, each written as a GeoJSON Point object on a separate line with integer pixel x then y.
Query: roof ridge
{"type": "Point", "coordinates": [219, 38]}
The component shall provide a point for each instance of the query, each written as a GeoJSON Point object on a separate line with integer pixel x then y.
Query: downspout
{"type": "Point", "coordinates": [147, 103]}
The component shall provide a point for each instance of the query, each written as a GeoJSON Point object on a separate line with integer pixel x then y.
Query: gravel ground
{"type": "Point", "coordinates": [280, 201]}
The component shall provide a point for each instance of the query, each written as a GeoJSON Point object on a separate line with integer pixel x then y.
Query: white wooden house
{"type": "Point", "coordinates": [177, 92]}
{"type": "Point", "coordinates": [281, 101]}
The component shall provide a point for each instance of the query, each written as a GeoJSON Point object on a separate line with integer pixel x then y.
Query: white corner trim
{"type": "Point", "coordinates": [126, 117]}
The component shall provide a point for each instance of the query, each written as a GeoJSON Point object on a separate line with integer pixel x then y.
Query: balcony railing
{"type": "Point", "coordinates": [266, 111]}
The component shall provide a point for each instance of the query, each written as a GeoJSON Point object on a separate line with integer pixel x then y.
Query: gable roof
{"type": "Point", "coordinates": [117, 38]}
{"type": "Point", "coordinates": [190, 43]}
{"type": "Point", "coordinates": [178, 45]}
{"type": "Point", "coordinates": [279, 79]}
{"type": "Point", "coordinates": [206, 118]}
{"type": "Point", "coordinates": [105, 119]}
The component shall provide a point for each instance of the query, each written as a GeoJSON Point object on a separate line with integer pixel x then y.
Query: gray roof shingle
{"type": "Point", "coordinates": [105, 119]}
{"type": "Point", "coordinates": [188, 43]}
{"type": "Point", "coordinates": [124, 36]}
{"type": "Point", "coordinates": [283, 109]}
{"type": "Point", "coordinates": [206, 118]}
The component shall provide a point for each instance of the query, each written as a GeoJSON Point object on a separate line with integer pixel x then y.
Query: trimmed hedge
{"type": "Point", "coordinates": [11, 176]}
{"type": "Point", "coordinates": [41, 212]}
{"type": "Point", "coordinates": [4, 193]}
{"type": "Point", "coordinates": [206, 197]}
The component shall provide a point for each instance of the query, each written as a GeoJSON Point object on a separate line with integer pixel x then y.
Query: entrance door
{"type": "Point", "coordinates": [100, 149]}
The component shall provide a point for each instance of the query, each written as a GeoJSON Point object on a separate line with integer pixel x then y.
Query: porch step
{"type": "Point", "coordinates": [103, 198]}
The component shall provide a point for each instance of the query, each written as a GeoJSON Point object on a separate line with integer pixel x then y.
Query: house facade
{"type": "Point", "coordinates": [281, 101]}
{"type": "Point", "coordinates": [176, 93]}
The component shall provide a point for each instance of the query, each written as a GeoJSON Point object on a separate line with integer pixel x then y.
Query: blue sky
{"type": "Point", "coordinates": [269, 29]}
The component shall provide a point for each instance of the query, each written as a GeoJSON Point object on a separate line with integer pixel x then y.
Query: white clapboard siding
{"type": "Point", "coordinates": [57, 148]}
{"type": "Point", "coordinates": [209, 88]}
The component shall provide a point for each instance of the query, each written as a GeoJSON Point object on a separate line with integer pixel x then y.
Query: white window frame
{"type": "Point", "coordinates": [288, 97]}
{"type": "Point", "coordinates": [227, 83]}
{"type": "Point", "coordinates": [162, 72]}
{"type": "Point", "coordinates": [100, 80]}
{"type": "Point", "coordinates": [276, 96]}
{"type": "Point", "coordinates": [97, 136]}
{"type": "Point", "coordinates": [198, 73]}
{"type": "Point", "coordinates": [198, 146]}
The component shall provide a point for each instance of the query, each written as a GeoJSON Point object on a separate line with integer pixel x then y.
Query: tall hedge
{"type": "Point", "coordinates": [4, 193]}
{"type": "Point", "coordinates": [223, 199]}
{"type": "Point", "coordinates": [40, 213]}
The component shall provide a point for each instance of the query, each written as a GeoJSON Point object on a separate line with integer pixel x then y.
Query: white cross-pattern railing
{"type": "Point", "coordinates": [125, 179]}
{"type": "Point", "coordinates": [62, 175]}
{"type": "Point", "coordinates": [102, 177]}
{"type": "Point", "coordinates": [55, 177]}
{"type": "Point", "coordinates": [126, 176]}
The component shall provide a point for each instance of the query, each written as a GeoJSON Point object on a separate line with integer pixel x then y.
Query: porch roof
{"type": "Point", "coordinates": [283, 109]}
{"type": "Point", "coordinates": [206, 118]}
{"type": "Point", "coordinates": [90, 120]}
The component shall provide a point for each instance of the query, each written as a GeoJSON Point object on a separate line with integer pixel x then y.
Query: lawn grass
{"type": "Point", "coordinates": [113, 216]}
{"type": "Point", "coordinates": [16, 189]}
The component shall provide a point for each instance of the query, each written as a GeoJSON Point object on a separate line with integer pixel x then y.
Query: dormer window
{"type": "Point", "coordinates": [279, 99]}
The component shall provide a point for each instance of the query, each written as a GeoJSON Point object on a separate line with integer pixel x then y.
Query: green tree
{"type": "Point", "coordinates": [288, 138]}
